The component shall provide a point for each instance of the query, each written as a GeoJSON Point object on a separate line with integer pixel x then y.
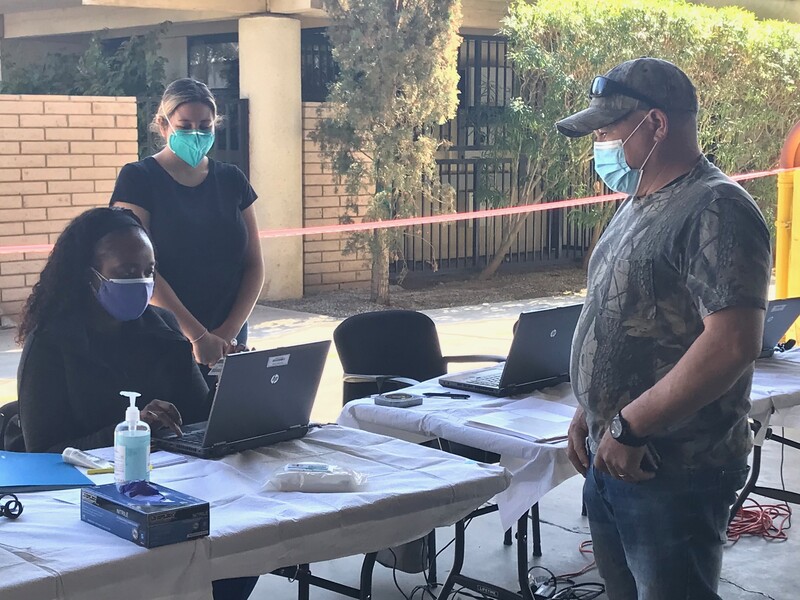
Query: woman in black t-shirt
{"type": "Point", "coordinates": [200, 217]}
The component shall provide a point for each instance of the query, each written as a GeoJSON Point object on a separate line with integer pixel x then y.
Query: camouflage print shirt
{"type": "Point", "coordinates": [666, 261]}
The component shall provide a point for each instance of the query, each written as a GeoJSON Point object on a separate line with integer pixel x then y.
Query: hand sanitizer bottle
{"type": "Point", "coordinates": [131, 446]}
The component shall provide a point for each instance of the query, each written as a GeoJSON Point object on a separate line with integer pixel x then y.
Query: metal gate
{"type": "Point", "coordinates": [487, 84]}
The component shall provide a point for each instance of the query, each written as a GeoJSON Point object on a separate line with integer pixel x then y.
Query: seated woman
{"type": "Point", "coordinates": [88, 333]}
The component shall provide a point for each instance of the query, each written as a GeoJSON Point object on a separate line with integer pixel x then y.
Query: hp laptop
{"type": "Point", "coordinates": [780, 316]}
{"type": "Point", "coordinates": [538, 358]}
{"type": "Point", "coordinates": [263, 397]}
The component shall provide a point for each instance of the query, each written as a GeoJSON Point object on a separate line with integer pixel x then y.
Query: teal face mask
{"type": "Point", "coordinates": [191, 145]}
{"type": "Point", "coordinates": [612, 167]}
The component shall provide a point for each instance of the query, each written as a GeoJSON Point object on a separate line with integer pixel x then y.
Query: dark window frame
{"type": "Point", "coordinates": [205, 40]}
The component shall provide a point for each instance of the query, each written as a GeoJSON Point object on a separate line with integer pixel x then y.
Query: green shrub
{"type": "Point", "coordinates": [397, 81]}
{"type": "Point", "coordinates": [746, 72]}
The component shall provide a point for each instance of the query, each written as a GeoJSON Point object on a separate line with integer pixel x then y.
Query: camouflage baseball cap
{"type": "Point", "coordinates": [635, 84]}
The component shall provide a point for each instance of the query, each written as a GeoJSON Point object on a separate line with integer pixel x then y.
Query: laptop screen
{"type": "Point", "coordinates": [781, 314]}
{"type": "Point", "coordinates": [541, 345]}
{"type": "Point", "coordinates": [264, 392]}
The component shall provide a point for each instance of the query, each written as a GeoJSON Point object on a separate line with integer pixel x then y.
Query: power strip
{"type": "Point", "coordinates": [544, 592]}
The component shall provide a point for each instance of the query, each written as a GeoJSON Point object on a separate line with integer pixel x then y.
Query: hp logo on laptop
{"type": "Point", "coordinates": [553, 333]}
{"type": "Point", "coordinates": [274, 378]}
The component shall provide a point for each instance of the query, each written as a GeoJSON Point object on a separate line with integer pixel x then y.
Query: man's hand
{"type": "Point", "coordinates": [621, 461]}
{"type": "Point", "coordinates": [576, 442]}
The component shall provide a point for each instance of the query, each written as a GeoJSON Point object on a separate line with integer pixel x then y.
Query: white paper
{"type": "Point", "coordinates": [542, 408]}
{"type": "Point", "coordinates": [527, 427]}
{"type": "Point", "coordinates": [161, 458]}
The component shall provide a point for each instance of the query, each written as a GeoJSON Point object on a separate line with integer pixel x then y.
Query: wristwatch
{"type": "Point", "coordinates": [620, 430]}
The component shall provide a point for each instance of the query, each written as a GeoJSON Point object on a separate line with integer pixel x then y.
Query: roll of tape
{"type": "Point", "coordinates": [397, 399]}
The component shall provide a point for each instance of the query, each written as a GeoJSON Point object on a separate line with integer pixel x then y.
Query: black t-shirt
{"type": "Point", "coordinates": [198, 232]}
{"type": "Point", "coordinates": [70, 377]}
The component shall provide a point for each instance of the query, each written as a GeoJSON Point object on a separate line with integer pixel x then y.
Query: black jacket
{"type": "Point", "coordinates": [70, 377]}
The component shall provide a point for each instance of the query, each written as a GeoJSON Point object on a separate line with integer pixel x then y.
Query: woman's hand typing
{"type": "Point", "coordinates": [159, 414]}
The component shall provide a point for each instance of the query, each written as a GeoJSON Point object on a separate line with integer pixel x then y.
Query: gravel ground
{"type": "Point", "coordinates": [430, 293]}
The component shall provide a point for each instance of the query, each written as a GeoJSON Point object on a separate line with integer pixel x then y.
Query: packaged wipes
{"type": "Point", "coordinates": [316, 477]}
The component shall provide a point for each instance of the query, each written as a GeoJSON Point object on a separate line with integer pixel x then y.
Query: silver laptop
{"type": "Point", "coordinates": [538, 358]}
{"type": "Point", "coordinates": [263, 397]}
{"type": "Point", "coordinates": [780, 316]}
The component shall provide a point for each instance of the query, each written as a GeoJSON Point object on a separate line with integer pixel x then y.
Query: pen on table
{"type": "Point", "coordinates": [100, 471]}
{"type": "Point", "coordinates": [106, 470]}
{"type": "Point", "coordinates": [445, 395]}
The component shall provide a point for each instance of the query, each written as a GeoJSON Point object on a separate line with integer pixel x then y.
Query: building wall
{"type": "Point", "coordinates": [325, 266]}
{"type": "Point", "coordinates": [59, 156]}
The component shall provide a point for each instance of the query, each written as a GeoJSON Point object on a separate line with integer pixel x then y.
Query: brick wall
{"type": "Point", "coordinates": [59, 156]}
{"type": "Point", "coordinates": [325, 267]}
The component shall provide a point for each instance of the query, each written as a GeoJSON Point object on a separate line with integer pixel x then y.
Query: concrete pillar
{"type": "Point", "coordinates": [269, 71]}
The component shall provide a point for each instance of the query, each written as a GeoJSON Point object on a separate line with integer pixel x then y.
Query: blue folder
{"type": "Point", "coordinates": [34, 472]}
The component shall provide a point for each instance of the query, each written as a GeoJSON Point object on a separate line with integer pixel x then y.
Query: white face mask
{"type": "Point", "coordinates": [612, 167]}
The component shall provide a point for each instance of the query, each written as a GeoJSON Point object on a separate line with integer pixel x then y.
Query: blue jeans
{"type": "Point", "coordinates": [662, 539]}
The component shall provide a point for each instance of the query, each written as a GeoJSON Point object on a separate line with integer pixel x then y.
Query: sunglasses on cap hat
{"type": "Point", "coordinates": [602, 87]}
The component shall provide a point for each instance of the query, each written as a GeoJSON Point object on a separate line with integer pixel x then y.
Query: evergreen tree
{"type": "Point", "coordinates": [397, 81]}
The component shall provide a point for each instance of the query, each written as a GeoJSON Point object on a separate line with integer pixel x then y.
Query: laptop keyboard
{"type": "Point", "coordinates": [193, 437]}
{"type": "Point", "coordinates": [489, 380]}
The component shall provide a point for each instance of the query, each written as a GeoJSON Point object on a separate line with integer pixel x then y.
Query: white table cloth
{"type": "Point", "coordinates": [776, 390]}
{"type": "Point", "coordinates": [538, 468]}
{"type": "Point", "coordinates": [49, 553]}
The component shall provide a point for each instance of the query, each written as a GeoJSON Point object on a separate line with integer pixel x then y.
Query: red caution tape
{"type": "Point", "coordinates": [412, 221]}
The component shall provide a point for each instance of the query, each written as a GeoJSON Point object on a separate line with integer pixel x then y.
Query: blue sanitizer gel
{"type": "Point", "coordinates": [131, 446]}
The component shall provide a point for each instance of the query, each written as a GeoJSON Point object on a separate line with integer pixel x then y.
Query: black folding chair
{"type": "Point", "coordinates": [10, 430]}
{"type": "Point", "coordinates": [387, 350]}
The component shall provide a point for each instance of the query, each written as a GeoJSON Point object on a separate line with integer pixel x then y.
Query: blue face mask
{"type": "Point", "coordinates": [192, 145]}
{"type": "Point", "coordinates": [612, 167]}
{"type": "Point", "coordinates": [124, 299]}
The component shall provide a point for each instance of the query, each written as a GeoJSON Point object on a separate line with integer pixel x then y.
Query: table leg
{"type": "Point", "coordinates": [458, 562]}
{"type": "Point", "coordinates": [751, 486]}
{"type": "Point", "coordinates": [305, 579]}
{"type": "Point", "coordinates": [302, 575]}
{"type": "Point", "coordinates": [522, 555]}
{"type": "Point", "coordinates": [536, 530]}
{"type": "Point", "coordinates": [304, 582]}
{"type": "Point", "coordinates": [507, 541]}
{"type": "Point", "coordinates": [366, 576]}
{"type": "Point", "coordinates": [487, 589]}
{"type": "Point", "coordinates": [432, 571]}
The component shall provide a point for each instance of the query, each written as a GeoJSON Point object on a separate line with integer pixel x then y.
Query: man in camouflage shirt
{"type": "Point", "coordinates": [662, 357]}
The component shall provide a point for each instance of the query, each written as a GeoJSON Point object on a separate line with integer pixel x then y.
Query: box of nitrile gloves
{"type": "Point", "coordinates": [150, 516]}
